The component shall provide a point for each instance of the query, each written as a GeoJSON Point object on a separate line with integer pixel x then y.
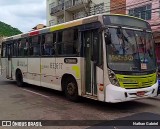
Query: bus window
{"type": "Point", "coordinates": [20, 49]}
{"type": "Point", "coordinates": [34, 46]}
{"type": "Point", "coordinates": [48, 44]}
{"type": "Point", "coordinates": [15, 48]}
{"type": "Point", "coordinates": [59, 43]}
{"type": "Point", "coordinates": [26, 47]}
{"type": "Point", "coordinates": [4, 50]}
{"type": "Point", "coordinates": [23, 46]}
{"type": "Point", "coordinates": [68, 42]}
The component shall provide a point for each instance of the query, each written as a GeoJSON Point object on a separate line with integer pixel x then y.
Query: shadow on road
{"type": "Point", "coordinates": [7, 82]}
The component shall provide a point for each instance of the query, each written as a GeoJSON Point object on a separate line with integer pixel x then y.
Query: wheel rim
{"type": "Point", "coordinates": [71, 88]}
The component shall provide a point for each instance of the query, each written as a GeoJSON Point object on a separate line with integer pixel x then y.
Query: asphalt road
{"type": "Point", "coordinates": [37, 103]}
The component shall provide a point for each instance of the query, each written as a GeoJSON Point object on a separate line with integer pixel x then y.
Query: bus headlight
{"type": "Point", "coordinates": [112, 78]}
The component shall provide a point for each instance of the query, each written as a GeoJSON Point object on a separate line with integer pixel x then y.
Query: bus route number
{"type": "Point", "coordinates": [56, 65]}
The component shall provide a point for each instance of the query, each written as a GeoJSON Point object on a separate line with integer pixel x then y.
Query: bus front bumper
{"type": "Point", "coordinates": [115, 94]}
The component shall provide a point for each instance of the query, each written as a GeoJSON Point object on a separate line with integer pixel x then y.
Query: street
{"type": "Point", "coordinates": [37, 103]}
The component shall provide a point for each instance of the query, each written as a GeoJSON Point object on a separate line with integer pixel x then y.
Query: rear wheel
{"type": "Point", "coordinates": [19, 78]}
{"type": "Point", "coordinates": [71, 89]}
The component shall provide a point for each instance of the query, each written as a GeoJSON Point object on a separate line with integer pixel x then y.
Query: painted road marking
{"type": "Point", "coordinates": [36, 93]}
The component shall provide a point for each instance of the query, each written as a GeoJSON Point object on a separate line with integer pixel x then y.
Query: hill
{"type": "Point", "coordinates": [7, 30]}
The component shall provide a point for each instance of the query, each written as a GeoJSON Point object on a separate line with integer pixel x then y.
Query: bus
{"type": "Point", "coordinates": [109, 58]}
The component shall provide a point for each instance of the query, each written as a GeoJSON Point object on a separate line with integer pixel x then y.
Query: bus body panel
{"type": "Point", "coordinates": [100, 84]}
{"type": "Point", "coordinates": [67, 65]}
{"type": "Point", "coordinates": [21, 64]}
{"type": "Point", "coordinates": [4, 67]}
{"type": "Point", "coordinates": [71, 66]}
{"type": "Point", "coordinates": [33, 74]}
{"type": "Point", "coordinates": [48, 73]}
{"type": "Point", "coordinates": [116, 94]}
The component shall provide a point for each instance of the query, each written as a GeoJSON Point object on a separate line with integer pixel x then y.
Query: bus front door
{"type": "Point", "coordinates": [90, 39]}
{"type": "Point", "coordinates": [9, 61]}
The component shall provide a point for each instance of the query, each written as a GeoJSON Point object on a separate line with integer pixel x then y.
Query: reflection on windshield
{"type": "Point", "coordinates": [131, 50]}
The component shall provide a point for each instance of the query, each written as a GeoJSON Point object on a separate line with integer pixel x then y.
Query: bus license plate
{"type": "Point", "coordinates": [140, 93]}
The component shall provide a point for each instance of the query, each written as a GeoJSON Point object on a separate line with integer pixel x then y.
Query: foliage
{"type": "Point", "coordinates": [7, 30]}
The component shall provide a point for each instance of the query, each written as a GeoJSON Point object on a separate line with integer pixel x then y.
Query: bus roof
{"type": "Point", "coordinates": [69, 24]}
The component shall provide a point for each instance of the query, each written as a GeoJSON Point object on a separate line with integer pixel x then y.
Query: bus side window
{"type": "Point", "coordinates": [68, 42]}
{"type": "Point", "coordinates": [48, 44]}
{"type": "Point", "coordinates": [26, 47]}
{"type": "Point", "coordinates": [15, 48]}
{"type": "Point", "coordinates": [59, 43]}
{"type": "Point", "coordinates": [3, 50]}
{"type": "Point", "coordinates": [23, 44]}
{"type": "Point", "coordinates": [20, 48]}
{"type": "Point", "coordinates": [34, 46]}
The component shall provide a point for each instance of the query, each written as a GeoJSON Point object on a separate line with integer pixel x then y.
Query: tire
{"type": "Point", "coordinates": [71, 90]}
{"type": "Point", "coordinates": [19, 78]}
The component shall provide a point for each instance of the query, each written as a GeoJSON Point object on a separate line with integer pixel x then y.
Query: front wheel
{"type": "Point", "coordinates": [71, 90]}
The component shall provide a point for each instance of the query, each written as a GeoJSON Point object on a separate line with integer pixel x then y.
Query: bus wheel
{"type": "Point", "coordinates": [71, 90]}
{"type": "Point", "coordinates": [19, 78]}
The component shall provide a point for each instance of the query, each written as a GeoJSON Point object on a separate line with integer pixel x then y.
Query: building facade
{"type": "Point", "coordinates": [145, 9]}
{"type": "Point", "coordinates": [59, 11]}
{"type": "Point", "coordinates": [148, 10]}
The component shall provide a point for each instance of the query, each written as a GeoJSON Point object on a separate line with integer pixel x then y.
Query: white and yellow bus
{"type": "Point", "coordinates": [109, 58]}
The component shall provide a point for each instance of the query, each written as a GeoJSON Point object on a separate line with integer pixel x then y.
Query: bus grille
{"type": "Point", "coordinates": [134, 82]}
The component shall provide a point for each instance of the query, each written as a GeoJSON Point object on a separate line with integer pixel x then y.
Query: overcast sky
{"type": "Point", "coordinates": [23, 14]}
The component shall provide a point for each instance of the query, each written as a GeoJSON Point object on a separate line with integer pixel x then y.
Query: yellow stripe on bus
{"type": "Point", "coordinates": [59, 27]}
{"type": "Point", "coordinates": [73, 24]}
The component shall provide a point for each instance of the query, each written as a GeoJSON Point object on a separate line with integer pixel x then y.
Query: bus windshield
{"type": "Point", "coordinates": [130, 50]}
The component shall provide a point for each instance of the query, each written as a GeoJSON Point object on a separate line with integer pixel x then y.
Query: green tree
{"type": "Point", "coordinates": [7, 30]}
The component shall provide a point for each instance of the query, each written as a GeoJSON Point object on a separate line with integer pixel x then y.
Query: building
{"type": "Point", "coordinates": [145, 9]}
{"type": "Point", "coordinates": [39, 26]}
{"type": "Point", "coordinates": [59, 11]}
{"type": "Point", "coordinates": [148, 10]}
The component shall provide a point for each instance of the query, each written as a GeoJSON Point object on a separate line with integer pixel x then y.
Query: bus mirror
{"type": "Point", "coordinates": [107, 37]}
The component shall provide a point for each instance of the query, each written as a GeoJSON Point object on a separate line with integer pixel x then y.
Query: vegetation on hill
{"type": "Point", "coordinates": [7, 30]}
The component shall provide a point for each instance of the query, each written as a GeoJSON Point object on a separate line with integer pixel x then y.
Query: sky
{"type": "Point", "coordinates": [23, 14]}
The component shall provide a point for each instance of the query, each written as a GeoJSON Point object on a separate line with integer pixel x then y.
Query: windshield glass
{"type": "Point", "coordinates": [130, 50]}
